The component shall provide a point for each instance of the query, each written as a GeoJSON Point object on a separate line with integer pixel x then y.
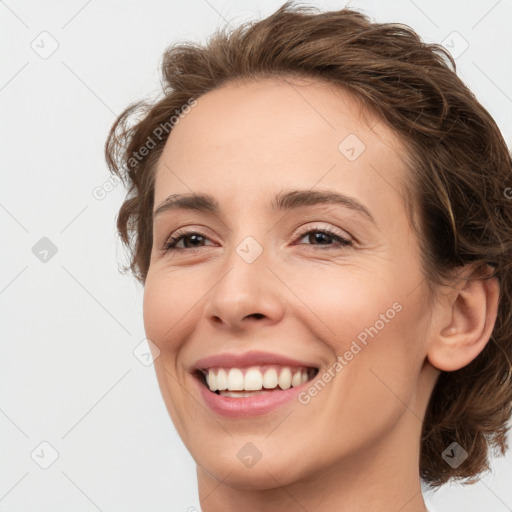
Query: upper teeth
{"type": "Point", "coordinates": [254, 378]}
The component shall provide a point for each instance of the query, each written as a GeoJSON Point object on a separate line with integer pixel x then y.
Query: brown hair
{"type": "Point", "coordinates": [460, 174]}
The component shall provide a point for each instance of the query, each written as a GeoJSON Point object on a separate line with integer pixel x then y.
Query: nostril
{"type": "Point", "coordinates": [256, 315]}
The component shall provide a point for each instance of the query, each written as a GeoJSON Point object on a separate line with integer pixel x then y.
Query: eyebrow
{"type": "Point", "coordinates": [286, 200]}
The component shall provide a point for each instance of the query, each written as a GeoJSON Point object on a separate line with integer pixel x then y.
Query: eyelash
{"type": "Point", "coordinates": [170, 243]}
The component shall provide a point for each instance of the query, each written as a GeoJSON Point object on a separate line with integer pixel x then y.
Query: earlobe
{"type": "Point", "coordinates": [465, 322]}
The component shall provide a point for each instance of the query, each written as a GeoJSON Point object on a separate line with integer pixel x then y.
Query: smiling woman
{"type": "Point", "coordinates": [325, 244]}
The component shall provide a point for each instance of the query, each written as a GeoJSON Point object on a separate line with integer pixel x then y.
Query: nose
{"type": "Point", "coordinates": [245, 293]}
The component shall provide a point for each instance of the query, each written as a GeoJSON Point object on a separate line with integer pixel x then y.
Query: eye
{"type": "Point", "coordinates": [171, 244]}
{"type": "Point", "coordinates": [195, 237]}
{"type": "Point", "coordinates": [322, 235]}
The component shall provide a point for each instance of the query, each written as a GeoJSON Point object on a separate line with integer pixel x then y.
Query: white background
{"type": "Point", "coordinates": [68, 375]}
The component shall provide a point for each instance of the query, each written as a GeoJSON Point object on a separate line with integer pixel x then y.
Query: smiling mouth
{"type": "Point", "coordinates": [253, 380]}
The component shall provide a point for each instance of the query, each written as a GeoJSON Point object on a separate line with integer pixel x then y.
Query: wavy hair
{"type": "Point", "coordinates": [459, 179]}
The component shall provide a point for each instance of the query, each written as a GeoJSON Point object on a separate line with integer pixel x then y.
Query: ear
{"type": "Point", "coordinates": [463, 320]}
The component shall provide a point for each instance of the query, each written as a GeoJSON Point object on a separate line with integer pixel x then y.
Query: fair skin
{"type": "Point", "coordinates": [355, 445]}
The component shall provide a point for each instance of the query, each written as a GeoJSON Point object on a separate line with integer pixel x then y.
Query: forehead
{"type": "Point", "coordinates": [249, 139]}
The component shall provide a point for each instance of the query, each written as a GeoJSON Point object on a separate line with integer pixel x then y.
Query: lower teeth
{"type": "Point", "coordinates": [242, 394]}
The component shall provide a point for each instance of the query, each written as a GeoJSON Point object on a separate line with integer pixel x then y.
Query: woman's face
{"type": "Point", "coordinates": [261, 280]}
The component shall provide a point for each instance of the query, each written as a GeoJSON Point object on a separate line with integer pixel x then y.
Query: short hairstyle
{"type": "Point", "coordinates": [459, 179]}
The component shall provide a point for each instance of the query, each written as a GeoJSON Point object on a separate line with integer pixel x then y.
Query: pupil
{"type": "Point", "coordinates": [194, 237]}
{"type": "Point", "coordinates": [318, 236]}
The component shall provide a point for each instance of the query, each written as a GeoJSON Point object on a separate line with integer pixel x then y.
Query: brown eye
{"type": "Point", "coordinates": [193, 236]}
{"type": "Point", "coordinates": [324, 235]}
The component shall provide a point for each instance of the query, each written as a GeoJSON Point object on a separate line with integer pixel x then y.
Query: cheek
{"type": "Point", "coordinates": [379, 359]}
{"type": "Point", "coordinates": [165, 314]}
{"type": "Point", "coordinates": [348, 302]}
{"type": "Point", "coordinates": [154, 307]}
{"type": "Point", "coordinates": [381, 343]}
{"type": "Point", "coordinates": [371, 321]}
{"type": "Point", "coordinates": [163, 308]}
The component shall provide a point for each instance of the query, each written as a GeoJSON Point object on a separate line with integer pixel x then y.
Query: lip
{"type": "Point", "coordinates": [251, 358]}
{"type": "Point", "coordinates": [251, 405]}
